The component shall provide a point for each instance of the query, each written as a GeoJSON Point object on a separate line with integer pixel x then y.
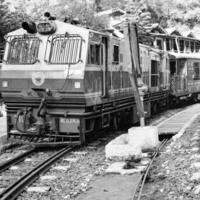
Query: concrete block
{"type": "Point", "coordinates": [64, 168]}
{"type": "Point", "coordinates": [119, 147]}
{"type": "Point", "coordinates": [38, 189]}
{"type": "Point", "coordinates": [145, 137]}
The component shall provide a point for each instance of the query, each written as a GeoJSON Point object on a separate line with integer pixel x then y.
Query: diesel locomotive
{"type": "Point", "coordinates": [61, 82]}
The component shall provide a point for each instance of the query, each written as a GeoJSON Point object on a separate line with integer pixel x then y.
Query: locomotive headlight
{"type": "Point", "coordinates": [4, 84]}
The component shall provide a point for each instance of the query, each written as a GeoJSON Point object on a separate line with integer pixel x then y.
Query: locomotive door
{"type": "Point", "coordinates": [104, 57]}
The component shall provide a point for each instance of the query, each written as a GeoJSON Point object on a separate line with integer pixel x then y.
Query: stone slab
{"type": "Point", "coordinates": [48, 177]}
{"type": "Point", "coordinates": [71, 160]}
{"type": "Point", "coordinates": [112, 187]}
{"type": "Point", "coordinates": [64, 168]}
{"type": "Point", "coordinates": [38, 189]}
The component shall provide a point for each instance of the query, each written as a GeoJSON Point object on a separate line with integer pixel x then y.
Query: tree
{"type": "Point", "coordinates": [9, 21]}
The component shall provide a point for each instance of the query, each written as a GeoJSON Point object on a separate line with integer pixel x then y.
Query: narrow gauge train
{"type": "Point", "coordinates": [60, 82]}
{"type": "Point", "coordinates": [184, 53]}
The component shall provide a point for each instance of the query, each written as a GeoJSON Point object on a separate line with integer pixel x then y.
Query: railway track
{"type": "Point", "coordinates": [138, 193]}
{"type": "Point", "coordinates": [15, 189]}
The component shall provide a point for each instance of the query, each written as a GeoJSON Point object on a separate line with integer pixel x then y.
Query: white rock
{"type": "Point", "coordinates": [195, 176]}
{"type": "Point", "coordinates": [48, 177]}
{"type": "Point", "coordinates": [28, 160]}
{"type": "Point", "coordinates": [197, 189]}
{"type": "Point", "coordinates": [64, 168]}
{"type": "Point", "coordinates": [38, 189]}
{"type": "Point", "coordinates": [14, 167]}
{"type": "Point", "coordinates": [146, 137]}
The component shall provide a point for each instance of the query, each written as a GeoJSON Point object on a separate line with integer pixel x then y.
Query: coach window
{"type": "Point", "coordinates": [187, 46]}
{"type": "Point", "coordinates": [168, 44]}
{"type": "Point", "coordinates": [197, 46]}
{"type": "Point", "coordinates": [174, 45]}
{"type": "Point", "coordinates": [94, 54]}
{"type": "Point", "coordinates": [196, 67]}
{"type": "Point", "coordinates": [154, 73]}
{"type": "Point", "coordinates": [159, 44]}
{"type": "Point", "coordinates": [181, 45]}
{"type": "Point", "coordinates": [192, 46]}
{"type": "Point", "coordinates": [116, 54]}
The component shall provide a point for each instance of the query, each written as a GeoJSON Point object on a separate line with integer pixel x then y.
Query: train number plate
{"type": "Point", "coordinates": [69, 121]}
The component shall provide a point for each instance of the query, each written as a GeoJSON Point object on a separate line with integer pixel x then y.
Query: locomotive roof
{"type": "Point", "coordinates": [62, 27]}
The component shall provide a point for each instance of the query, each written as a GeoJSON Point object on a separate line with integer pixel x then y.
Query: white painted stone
{"type": "Point", "coordinates": [82, 153]}
{"type": "Point", "coordinates": [195, 165]}
{"type": "Point", "coordinates": [71, 160]}
{"type": "Point", "coordinates": [64, 168]}
{"type": "Point", "coordinates": [145, 137]}
{"type": "Point", "coordinates": [119, 147]}
{"type": "Point", "coordinates": [118, 167]}
{"type": "Point", "coordinates": [195, 176]}
{"type": "Point", "coordinates": [28, 160]}
{"type": "Point", "coordinates": [38, 189]}
{"type": "Point", "coordinates": [48, 177]}
{"type": "Point", "coordinates": [14, 167]}
{"type": "Point", "coordinates": [196, 189]}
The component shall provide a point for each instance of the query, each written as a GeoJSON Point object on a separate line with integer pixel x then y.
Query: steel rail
{"type": "Point", "coordinates": [143, 179]}
{"type": "Point", "coordinates": [13, 161]}
{"type": "Point", "coordinates": [16, 188]}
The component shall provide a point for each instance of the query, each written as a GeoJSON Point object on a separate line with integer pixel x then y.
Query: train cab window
{"type": "Point", "coordinates": [95, 55]}
{"type": "Point", "coordinates": [181, 45]}
{"type": "Point", "coordinates": [196, 68]}
{"type": "Point", "coordinates": [23, 50]}
{"type": "Point", "coordinates": [168, 44]}
{"type": "Point", "coordinates": [65, 49]}
{"type": "Point", "coordinates": [116, 54]}
{"type": "Point", "coordinates": [154, 73]}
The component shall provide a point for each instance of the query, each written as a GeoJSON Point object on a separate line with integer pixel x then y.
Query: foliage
{"type": "Point", "coordinates": [9, 21]}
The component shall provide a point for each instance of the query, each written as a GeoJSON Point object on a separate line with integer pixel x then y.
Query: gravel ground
{"type": "Point", "coordinates": [171, 174]}
{"type": "Point", "coordinates": [90, 161]}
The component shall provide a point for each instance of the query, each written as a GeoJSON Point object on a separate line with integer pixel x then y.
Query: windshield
{"type": "Point", "coordinates": [23, 50]}
{"type": "Point", "coordinates": [65, 49]}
